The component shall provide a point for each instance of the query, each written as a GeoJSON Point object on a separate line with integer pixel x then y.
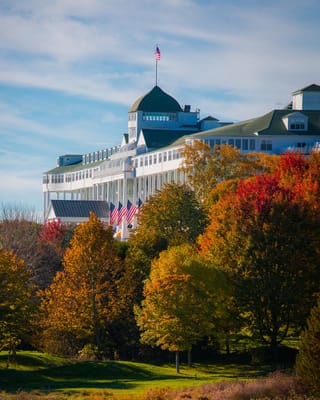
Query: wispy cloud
{"type": "Point", "coordinates": [70, 69]}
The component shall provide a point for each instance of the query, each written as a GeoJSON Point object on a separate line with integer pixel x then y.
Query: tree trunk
{"type": "Point", "coordinates": [227, 345]}
{"type": "Point", "coordinates": [177, 362]}
{"type": "Point", "coordinates": [189, 358]}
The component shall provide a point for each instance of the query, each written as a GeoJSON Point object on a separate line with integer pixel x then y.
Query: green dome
{"type": "Point", "coordinates": [156, 101]}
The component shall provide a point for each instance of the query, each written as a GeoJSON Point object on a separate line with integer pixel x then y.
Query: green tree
{"type": "Point", "coordinates": [308, 359]}
{"type": "Point", "coordinates": [17, 307]}
{"type": "Point", "coordinates": [170, 217]}
{"type": "Point", "coordinates": [82, 300]}
{"type": "Point", "coordinates": [179, 301]}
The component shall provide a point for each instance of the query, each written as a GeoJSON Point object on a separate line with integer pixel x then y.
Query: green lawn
{"type": "Point", "coordinates": [39, 372]}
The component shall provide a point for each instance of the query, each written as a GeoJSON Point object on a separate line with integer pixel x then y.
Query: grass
{"type": "Point", "coordinates": [38, 372]}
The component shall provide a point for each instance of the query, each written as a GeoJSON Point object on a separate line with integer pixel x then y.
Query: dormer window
{"type": "Point", "coordinates": [295, 121]}
{"type": "Point", "coordinates": [297, 125]}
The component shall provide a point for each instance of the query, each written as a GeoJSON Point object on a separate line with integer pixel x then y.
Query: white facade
{"type": "Point", "coordinates": [150, 155]}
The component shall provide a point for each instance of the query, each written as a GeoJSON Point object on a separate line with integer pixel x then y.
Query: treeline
{"type": "Point", "coordinates": [233, 253]}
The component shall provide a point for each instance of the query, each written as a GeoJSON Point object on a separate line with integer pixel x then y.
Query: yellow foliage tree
{"type": "Point", "coordinates": [179, 301]}
{"type": "Point", "coordinates": [17, 307]}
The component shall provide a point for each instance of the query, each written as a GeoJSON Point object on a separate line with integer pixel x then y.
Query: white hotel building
{"type": "Point", "coordinates": [149, 155]}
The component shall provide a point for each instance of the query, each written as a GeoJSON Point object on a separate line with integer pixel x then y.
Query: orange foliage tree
{"type": "Point", "coordinates": [82, 300]}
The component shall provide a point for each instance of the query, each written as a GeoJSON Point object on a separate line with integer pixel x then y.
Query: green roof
{"type": "Point", "coordinates": [310, 88]}
{"type": "Point", "coordinates": [73, 168]}
{"type": "Point", "coordinates": [156, 101]}
{"type": "Point", "coordinates": [156, 138]}
{"type": "Point", "coordinates": [268, 124]}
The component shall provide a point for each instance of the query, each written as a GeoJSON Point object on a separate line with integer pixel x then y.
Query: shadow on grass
{"type": "Point", "coordinates": [36, 372]}
{"type": "Point", "coordinates": [85, 375]}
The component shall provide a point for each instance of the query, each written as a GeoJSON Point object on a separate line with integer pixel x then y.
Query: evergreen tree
{"type": "Point", "coordinates": [308, 359]}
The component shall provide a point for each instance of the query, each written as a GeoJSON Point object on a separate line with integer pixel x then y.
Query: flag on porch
{"type": "Point", "coordinates": [131, 211]}
{"type": "Point", "coordinates": [113, 214]}
{"type": "Point", "coordinates": [122, 211]}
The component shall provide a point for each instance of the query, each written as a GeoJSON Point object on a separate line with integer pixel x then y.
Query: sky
{"type": "Point", "coordinates": [71, 69]}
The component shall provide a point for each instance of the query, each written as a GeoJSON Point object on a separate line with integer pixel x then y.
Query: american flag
{"type": "Point", "coordinates": [113, 214]}
{"type": "Point", "coordinates": [131, 211]}
{"type": "Point", "coordinates": [157, 53]}
{"type": "Point", "coordinates": [122, 211]}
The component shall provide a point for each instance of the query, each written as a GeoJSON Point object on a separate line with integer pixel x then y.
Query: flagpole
{"type": "Point", "coordinates": [157, 56]}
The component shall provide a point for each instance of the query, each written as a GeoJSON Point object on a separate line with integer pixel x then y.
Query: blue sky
{"type": "Point", "coordinates": [71, 69]}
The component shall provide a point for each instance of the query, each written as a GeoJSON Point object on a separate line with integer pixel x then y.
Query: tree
{"type": "Point", "coordinates": [85, 292]}
{"type": "Point", "coordinates": [53, 240]}
{"type": "Point", "coordinates": [41, 247]}
{"type": "Point", "coordinates": [308, 359]}
{"type": "Point", "coordinates": [266, 236]}
{"type": "Point", "coordinates": [179, 301]}
{"type": "Point", "coordinates": [17, 308]}
{"type": "Point", "coordinates": [205, 167]}
{"type": "Point", "coordinates": [20, 235]}
{"type": "Point", "coordinates": [170, 217]}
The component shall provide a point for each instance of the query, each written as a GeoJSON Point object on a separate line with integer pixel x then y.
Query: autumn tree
{"type": "Point", "coordinates": [17, 308]}
{"type": "Point", "coordinates": [81, 303]}
{"type": "Point", "coordinates": [40, 246]}
{"type": "Point", "coordinates": [266, 236]}
{"type": "Point", "coordinates": [179, 301]}
{"type": "Point", "coordinates": [53, 240]}
{"type": "Point", "coordinates": [19, 231]}
{"type": "Point", "coordinates": [205, 167]}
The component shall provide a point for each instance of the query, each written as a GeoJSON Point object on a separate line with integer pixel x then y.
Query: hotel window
{"type": "Point", "coordinates": [150, 160]}
{"type": "Point", "coordinates": [169, 155]}
{"type": "Point", "coordinates": [141, 162]}
{"type": "Point", "coordinates": [231, 142]}
{"type": "Point", "coordinates": [238, 143]}
{"type": "Point", "coordinates": [245, 144]}
{"type": "Point", "coordinates": [146, 160]}
{"type": "Point", "coordinates": [160, 157]}
{"type": "Point", "coordinates": [173, 117]}
{"type": "Point", "coordinates": [252, 144]}
{"type": "Point", "coordinates": [266, 145]}
{"type": "Point", "coordinates": [154, 159]}
{"type": "Point", "coordinates": [165, 156]}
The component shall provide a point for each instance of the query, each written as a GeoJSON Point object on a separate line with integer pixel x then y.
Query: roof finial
{"type": "Point", "coordinates": [157, 56]}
